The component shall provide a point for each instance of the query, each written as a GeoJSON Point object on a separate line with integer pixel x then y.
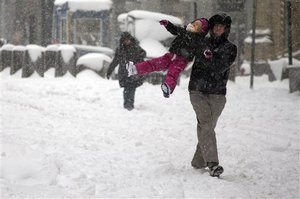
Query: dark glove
{"type": "Point", "coordinates": [163, 22]}
{"type": "Point", "coordinates": [208, 54]}
{"type": "Point", "coordinates": [108, 75]}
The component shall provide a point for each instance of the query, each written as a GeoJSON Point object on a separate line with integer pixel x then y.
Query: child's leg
{"type": "Point", "coordinates": [178, 65]}
{"type": "Point", "coordinates": [156, 64]}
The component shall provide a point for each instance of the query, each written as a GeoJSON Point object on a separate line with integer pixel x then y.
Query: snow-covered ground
{"type": "Point", "coordinates": [71, 138]}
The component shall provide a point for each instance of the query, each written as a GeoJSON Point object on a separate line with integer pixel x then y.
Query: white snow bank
{"type": "Point", "coordinates": [86, 5]}
{"type": "Point", "coordinates": [98, 49]}
{"type": "Point", "coordinates": [296, 63]}
{"type": "Point", "coordinates": [261, 31]}
{"type": "Point", "coordinates": [53, 47]}
{"type": "Point", "coordinates": [277, 66]}
{"type": "Point", "coordinates": [262, 36]}
{"type": "Point", "coordinates": [142, 14]}
{"type": "Point", "coordinates": [5, 73]}
{"type": "Point", "coordinates": [153, 48]}
{"type": "Point", "coordinates": [105, 151]}
{"type": "Point", "coordinates": [7, 47]}
{"type": "Point", "coordinates": [245, 68]}
{"type": "Point", "coordinates": [49, 73]}
{"type": "Point", "coordinates": [35, 51]}
{"type": "Point", "coordinates": [88, 75]}
{"type": "Point", "coordinates": [264, 39]}
{"type": "Point", "coordinates": [67, 52]}
{"type": "Point", "coordinates": [94, 61]}
{"type": "Point", "coordinates": [19, 48]}
{"type": "Point", "coordinates": [25, 166]}
{"type": "Point", "coordinates": [145, 24]}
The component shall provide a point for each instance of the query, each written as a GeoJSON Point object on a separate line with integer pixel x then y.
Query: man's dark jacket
{"type": "Point", "coordinates": [210, 76]}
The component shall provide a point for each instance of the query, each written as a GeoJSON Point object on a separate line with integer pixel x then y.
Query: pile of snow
{"type": "Point", "coordinates": [85, 5]}
{"type": "Point", "coordinates": [21, 164]}
{"type": "Point", "coordinates": [245, 68]}
{"type": "Point", "coordinates": [145, 24]}
{"type": "Point", "coordinates": [19, 48]}
{"type": "Point", "coordinates": [266, 31]}
{"type": "Point", "coordinates": [71, 138]}
{"type": "Point", "coordinates": [35, 52]}
{"type": "Point", "coordinates": [261, 36]}
{"type": "Point", "coordinates": [264, 39]}
{"type": "Point", "coordinates": [277, 66]}
{"type": "Point", "coordinates": [96, 49]}
{"type": "Point", "coordinates": [153, 48]}
{"type": "Point", "coordinates": [153, 16]}
{"type": "Point", "coordinates": [8, 47]}
{"type": "Point", "coordinates": [67, 52]}
{"type": "Point", "coordinates": [94, 61]}
{"type": "Point", "coordinates": [52, 47]}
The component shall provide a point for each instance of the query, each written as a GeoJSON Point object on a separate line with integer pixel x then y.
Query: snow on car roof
{"type": "Point", "coordinates": [87, 5]}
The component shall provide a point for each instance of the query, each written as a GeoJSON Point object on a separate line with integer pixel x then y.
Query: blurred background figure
{"type": "Point", "coordinates": [2, 42]}
{"type": "Point", "coordinates": [128, 50]}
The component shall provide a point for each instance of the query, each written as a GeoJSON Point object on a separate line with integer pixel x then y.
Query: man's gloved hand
{"type": "Point", "coordinates": [107, 75]}
{"type": "Point", "coordinates": [163, 22]}
{"type": "Point", "coordinates": [208, 54]}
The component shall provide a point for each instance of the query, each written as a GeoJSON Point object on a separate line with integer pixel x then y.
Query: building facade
{"type": "Point", "coordinates": [272, 30]}
{"type": "Point", "coordinates": [30, 22]}
{"type": "Point", "coordinates": [26, 21]}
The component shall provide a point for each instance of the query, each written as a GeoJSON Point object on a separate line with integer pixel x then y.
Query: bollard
{"type": "Point", "coordinates": [6, 56]}
{"type": "Point", "coordinates": [33, 61]}
{"type": "Point", "coordinates": [27, 69]}
{"type": "Point", "coordinates": [66, 61]}
{"type": "Point", "coordinates": [155, 78]}
{"type": "Point", "coordinates": [50, 57]}
{"type": "Point", "coordinates": [17, 58]}
{"type": "Point", "coordinates": [294, 81]}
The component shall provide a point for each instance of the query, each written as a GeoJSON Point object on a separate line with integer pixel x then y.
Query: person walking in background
{"type": "Point", "coordinates": [2, 42]}
{"type": "Point", "coordinates": [128, 50]}
{"type": "Point", "coordinates": [180, 53]}
{"type": "Point", "coordinates": [207, 88]}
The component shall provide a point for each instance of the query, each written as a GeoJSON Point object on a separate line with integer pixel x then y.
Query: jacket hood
{"type": "Point", "coordinates": [127, 35]}
{"type": "Point", "coordinates": [223, 19]}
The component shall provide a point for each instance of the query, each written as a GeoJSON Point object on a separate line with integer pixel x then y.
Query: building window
{"type": "Point", "coordinates": [88, 31]}
{"type": "Point", "coordinates": [63, 31]}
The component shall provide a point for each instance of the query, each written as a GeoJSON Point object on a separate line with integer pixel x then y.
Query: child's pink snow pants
{"type": "Point", "coordinates": [174, 63]}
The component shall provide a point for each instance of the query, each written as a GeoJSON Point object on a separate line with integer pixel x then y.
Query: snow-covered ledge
{"type": "Point", "coordinates": [86, 5]}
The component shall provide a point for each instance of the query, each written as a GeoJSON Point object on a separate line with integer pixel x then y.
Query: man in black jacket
{"type": "Point", "coordinates": [207, 89]}
{"type": "Point", "coordinates": [128, 50]}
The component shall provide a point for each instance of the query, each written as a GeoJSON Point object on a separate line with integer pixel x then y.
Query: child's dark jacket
{"type": "Point", "coordinates": [185, 42]}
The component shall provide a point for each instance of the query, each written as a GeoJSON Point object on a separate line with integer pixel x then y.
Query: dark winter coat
{"type": "Point", "coordinates": [185, 42]}
{"type": "Point", "coordinates": [210, 76]}
{"type": "Point", "coordinates": [124, 54]}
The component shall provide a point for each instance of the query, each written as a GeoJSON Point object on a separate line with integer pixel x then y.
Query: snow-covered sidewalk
{"type": "Point", "coordinates": [70, 138]}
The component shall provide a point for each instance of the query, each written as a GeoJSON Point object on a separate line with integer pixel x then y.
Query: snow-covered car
{"type": "Point", "coordinates": [97, 62]}
{"type": "Point", "coordinates": [144, 25]}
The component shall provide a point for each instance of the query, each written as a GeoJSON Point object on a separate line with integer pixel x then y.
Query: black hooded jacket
{"type": "Point", "coordinates": [185, 42]}
{"type": "Point", "coordinates": [123, 54]}
{"type": "Point", "coordinates": [210, 76]}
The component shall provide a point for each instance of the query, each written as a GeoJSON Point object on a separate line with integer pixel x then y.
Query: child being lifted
{"type": "Point", "coordinates": [181, 52]}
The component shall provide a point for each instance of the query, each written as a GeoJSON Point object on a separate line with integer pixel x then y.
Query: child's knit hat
{"type": "Point", "coordinates": [205, 25]}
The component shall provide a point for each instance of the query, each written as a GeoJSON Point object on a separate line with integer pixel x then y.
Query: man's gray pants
{"type": "Point", "coordinates": [208, 108]}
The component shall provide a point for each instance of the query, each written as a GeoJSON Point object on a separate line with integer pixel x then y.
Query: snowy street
{"type": "Point", "coordinates": [70, 137]}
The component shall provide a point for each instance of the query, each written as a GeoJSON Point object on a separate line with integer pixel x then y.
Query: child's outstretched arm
{"type": "Point", "coordinates": [174, 30]}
